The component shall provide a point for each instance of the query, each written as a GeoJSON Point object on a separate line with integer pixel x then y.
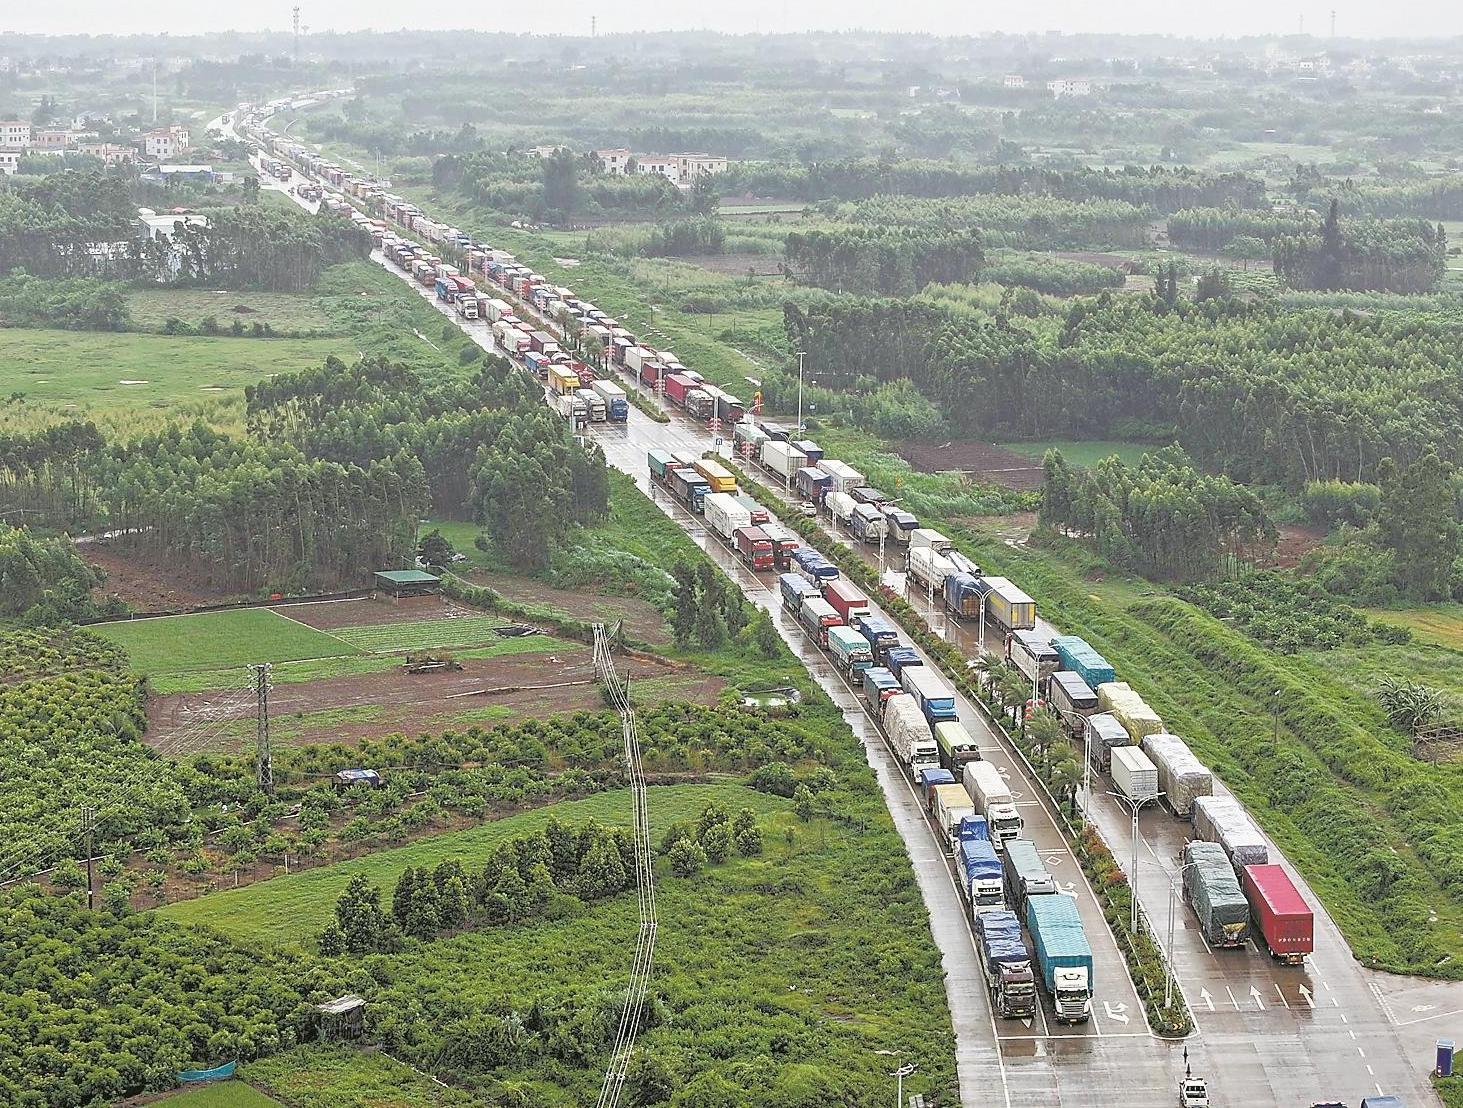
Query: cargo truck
{"type": "Point", "coordinates": [956, 745]}
{"type": "Point", "coordinates": [699, 405]}
{"type": "Point", "coordinates": [725, 513]}
{"type": "Point", "coordinates": [1079, 657]}
{"type": "Point", "coordinates": [760, 515]}
{"type": "Point", "coordinates": [1280, 913]}
{"type": "Point", "coordinates": [1134, 774]}
{"type": "Point", "coordinates": [922, 538]}
{"type": "Point", "coordinates": [794, 590]}
{"type": "Point", "coordinates": [1007, 606]}
{"type": "Point", "coordinates": [617, 405]}
{"type": "Point", "coordinates": [1032, 654]}
{"type": "Point", "coordinates": [929, 569]}
{"type": "Point", "coordinates": [784, 543]}
{"type": "Point", "coordinates": [899, 524]}
{"type": "Point", "coordinates": [1069, 697]}
{"type": "Point", "coordinates": [850, 650]}
{"type": "Point", "coordinates": [817, 616]}
{"type": "Point", "coordinates": [840, 506]}
{"type": "Point", "coordinates": [594, 403]}
{"type": "Point", "coordinates": [845, 477]}
{"type": "Point", "coordinates": [867, 524]}
{"type": "Point", "coordinates": [717, 475]}
{"type": "Point", "coordinates": [867, 494]}
{"type": "Point", "coordinates": [812, 565]}
{"type": "Point", "coordinates": [847, 599]}
{"type": "Point", "coordinates": [926, 779]}
{"type": "Point", "coordinates": [993, 799]}
{"type": "Point", "coordinates": [563, 380]}
{"type": "Point", "coordinates": [978, 868]}
{"type": "Point", "coordinates": [952, 804]}
{"type": "Point", "coordinates": [754, 547]}
{"type": "Point", "coordinates": [1006, 964]}
{"type": "Point", "coordinates": [879, 631]}
{"type": "Point", "coordinates": [935, 698]}
{"type": "Point", "coordinates": [901, 658]}
{"type": "Point", "coordinates": [1182, 778]}
{"type": "Point", "coordinates": [963, 598]}
{"type": "Point", "coordinates": [909, 732]}
{"type": "Point", "coordinates": [813, 484]}
{"type": "Point", "coordinates": [676, 388]}
{"type": "Point", "coordinates": [879, 685]}
{"type": "Point", "coordinates": [1063, 956]}
{"type": "Point", "coordinates": [1119, 699]}
{"type": "Point", "coordinates": [1212, 890]}
{"type": "Point", "coordinates": [690, 488]}
{"type": "Point", "coordinates": [1024, 874]}
{"type": "Point", "coordinates": [811, 450]}
{"type": "Point", "coordinates": [660, 463]}
{"type": "Point", "coordinates": [783, 459]}
{"type": "Point", "coordinates": [1102, 733]}
{"type": "Point", "coordinates": [1223, 820]}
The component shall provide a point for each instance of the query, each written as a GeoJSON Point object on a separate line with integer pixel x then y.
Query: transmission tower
{"type": "Point", "coordinates": [297, 32]}
{"type": "Point", "coordinates": [263, 763]}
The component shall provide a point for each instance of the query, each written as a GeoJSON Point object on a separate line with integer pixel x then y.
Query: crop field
{"type": "Point", "coordinates": [324, 1076]}
{"type": "Point", "coordinates": [426, 634]}
{"type": "Point", "coordinates": [292, 909]}
{"type": "Point", "coordinates": [217, 640]}
{"type": "Point", "coordinates": [222, 1094]}
{"type": "Point", "coordinates": [1437, 623]}
{"type": "Point", "coordinates": [283, 311]}
{"type": "Point", "coordinates": [1080, 453]}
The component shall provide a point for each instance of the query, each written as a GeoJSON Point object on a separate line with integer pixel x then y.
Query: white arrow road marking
{"type": "Point", "coordinates": [1260, 1003]}
{"type": "Point", "coordinates": [1027, 1022]}
{"type": "Point", "coordinates": [1116, 1011]}
{"type": "Point", "coordinates": [1424, 1007]}
{"type": "Point", "coordinates": [1206, 998]}
{"type": "Point", "coordinates": [1305, 994]}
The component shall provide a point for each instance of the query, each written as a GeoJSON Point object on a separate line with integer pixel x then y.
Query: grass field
{"type": "Point", "coordinates": [283, 311]}
{"type": "Point", "coordinates": [1435, 623]}
{"type": "Point", "coordinates": [323, 1076]}
{"type": "Point", "coordinates": [423, 634]}
{"type": "Point", "coordinates": [293, 909]}
{"type": "Point", "coordinates": [216, 640]}
{"type": "Point", "coordinates": [1081, 453]}
{"type": "Point", "coordinates": [222, 1094]}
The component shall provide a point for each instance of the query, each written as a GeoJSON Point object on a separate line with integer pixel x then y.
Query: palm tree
{"type": "Point", "coordinates": [1066, 778]}
{"type": "Point", "coordinates": [1044, 730]}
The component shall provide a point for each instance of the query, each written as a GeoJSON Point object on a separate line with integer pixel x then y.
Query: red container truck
{"type": "Point", "coordinates": [676, 387]}
{"type": "Point", "coordinates": [847, 601]}
{"type": "Point", "coordinates": [649, 373]}
{"type": "Point", "coordinates": [754, 546]}
{"type": "Point", "coordinates": [1281, 913]}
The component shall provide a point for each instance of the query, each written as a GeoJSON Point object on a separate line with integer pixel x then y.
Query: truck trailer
{"type": "Point", "coordinates": [1182, 778]}
{"type": "Point", "coordinates": [1118, 698]}
{"type": "Point", "coordinates": [993, 799]}
{"type": "Point", "coordinates": [1032, 654]}
{"type": "Point", "coordinates": [1280, 913]}
{"type": "Point", "coordinates": [1006, 964]}
{"type": "Point", "coordinates": [909, 732]}
{"type": "Point", "coordinates": [952, 805]}
{"type": "Point", "coordinates": [794, 589]}
{"type": "Point", "coordinates": [1063, 955]}
{"type": "Point", "coordinates": [1024, 874]}
{"type": "Point", "coordinates": [1071, 699]}
{"type": "Point", "coordinates": [956, 745]}
{"type": "Point", "coordinates": [1007, 606]}
{"type": "Point", "coordinates": [1223, 820]}
{"type": "Point", "coordinates": [963, 597]}
{"type": "Point", "coordinates": [929, 569]}
{"type": "Point", "coordinates": [1079, 657]}
{"type": "Point", "coordinates": [850, 650]}
{"type": "Point", "coordinates": [1213, 891]}
{"type": "Point", "coordinates": [879, 685]}
{"type": "Point", "coordinates": [1134, 774]}
{"type": "Point", "coordinates": [725, 513]}
{"type": "Point", "coordinates": [848, 599]}
{"type": "Point", "coordinates": [1102, 733]}
{"type": "Point", "coordinates": [979, 868]}
{"type": "Point", "coordinates": [817, 616]}
{"type": "Point", "coordinates": [935, 698]}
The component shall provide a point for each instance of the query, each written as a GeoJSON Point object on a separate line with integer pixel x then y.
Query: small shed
{"type": "Point", "coordinates": [342, 1018]}
{"type": "Point", "coordinates": [407, 582]}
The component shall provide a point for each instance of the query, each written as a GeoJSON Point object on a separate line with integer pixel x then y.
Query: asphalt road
{"type": "Point", "coordinates": [1267, 1034]}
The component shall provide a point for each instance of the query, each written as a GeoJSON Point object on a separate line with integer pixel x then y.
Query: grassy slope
{"type": "Point", "coordinates": [212, 640]}
{"type": "Point", "coordinates": [292, 909]}
{"type": "Point", "coordinates": [283, 311]}
{"type": "Point", "coordinates": [224, 1094]}
{"type": "Point", "coordinates": [1435, 623]}
{"type": "Point", "coordinates": [322, 1076]}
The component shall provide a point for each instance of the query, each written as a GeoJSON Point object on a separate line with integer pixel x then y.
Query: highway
{"type": "Point", "coordinates": [1267, 1034]}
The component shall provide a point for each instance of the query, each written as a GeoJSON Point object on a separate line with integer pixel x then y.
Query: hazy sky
{"type": "Point", "coordinates": [1232, 18]}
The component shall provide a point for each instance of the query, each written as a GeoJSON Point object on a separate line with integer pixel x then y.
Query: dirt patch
{"type": "Point", "coordinates": [1293, 545]}
{"type": "Point", "coordinates": [1088, 257]}
{"type": "Point", "coordinates": [1013, 530]}
{"type": "Point", "coordinates": [372, 611]}
{"type": "Point", "coordinates": [487, 691]}
{"type": "Point", "coordinates": [736, 265]}
{"type": "Point", "coordinates": [642, 619]}
{"type": "Point", "coordinates": [149, 585]}
{"type": "Point", "coordinates": [981, 461]}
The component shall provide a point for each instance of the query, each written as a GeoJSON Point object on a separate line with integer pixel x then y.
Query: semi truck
{"type": "Point", "coordinates": [760, 516]}
{"type": "Point", "coordinates": [598, 412]}
{"type": "Point", "coordinates": [1079, 657]}
{"type": "Point", "coordinates": [725, 513]}
{"type": "Point", "coordinates": [717, 475]}
{"type": "Point", "coordinates": [963, 598]}
{"type": "Point", "coordinates": [879, 685]}
{"type": "Point", "coordinates": [909, 732]}
{"type": "Point", "coordinates": [1182, 778]}
{"type": "Point", "coordinates": [993, 799]}
{"type": "Point", "coordinates": [1032, 654]}
{"type": "Point", "coordinates": [840, 506]}
{"type": "Point", "coordinates": [901, 657]}
{"type": "Point", "coordinates": [813, 484]}
{"type": "Point", "coordinates": [1101, 733]}
{"type": "Point", "coordinates": [783, 459]}
{"type": "Point", "coordinates": [1007, 606]}
{"type": "Point", "coordinates": [1223, 820]}
{"type": "Point", "coordinates": [690, 488]}
{"type": "Point", "coordinates": [1119, 699]}
{"type": "Point", "coordinates": [814, 566]}
{"type": "Point", "coordinates": [1134, 774]}
{"type": "Point", "coordinates": [929, 568]}
{"type": "Point", "coordinates": [867, 524]}
{"type": "Point", "coordinates": [927, 778]}
{"type": "Point", "coordinates": [956, 745]}
{"type": "Point", "coordinates": [879, 631]}
{"type": "Point", "coordinates": [1071, 699]}
{"type": "Point", "coordinates": [1024, 874]}
{"type": "Point", "coordinates": [1063, 956]}
{"type": "Point", "coordinates": [952, 804]}
{"type": "Point", "coordinates": [847, 599]}
{"type": "Point", "coordinates": [1212, 890]}
{"type": "Point", "coordinates": [754, 547]}
{"type": "Point", "coordinates": [900, 524]}
{"type": "Point", "coordinates": [928, 538]}
{"type": "Point", "coordinates": [979, 868]}
{"type": "Point", "coordinates": [617, 405]}
{"type": "Point", "coordinates": [817, 616]}
{"type": "Point", "coordinates": [845, 477]}
{"type": "Point", "coordinates": [811, 450]}
{"type": "Point", "coordinates": [660, 463]}
{"type": "Point", "coordinates": [935, 698]}
{"type": "Point", "coordinates": [850, 650]}
{"type": "Point", "coordinates": [784, 543]}
{"type": "Point", "coordinates": [563, 380]}
{"type": "Point", "coordinates": [1006, 964]}
{"type": "Point", "coordinates": [794, 589]}
{"type": "Point", "coordinates": [1280, 913]}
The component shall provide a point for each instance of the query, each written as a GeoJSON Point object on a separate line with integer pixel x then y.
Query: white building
{"type": "Point", "coordinates": [691, 166]}
{"type": "Point", "coordinates": [1014, 80]}
{"type": "Point", "coordinates": [167, 143]}
{"type": "Point", "coordinates": [1066, 86]}
{"type": "Point", "coordinates": [614, 161]}
{"type": "Point", "coordinates": [14, 132]}
{"type": "Point", "coordinates": [155, 226]}
{"type": "Point", "coordinates": [10, 158]}
{"type": "Point", "coordinates": [658, 165]}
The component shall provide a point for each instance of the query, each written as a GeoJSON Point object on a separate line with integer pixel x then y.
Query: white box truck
{"type": "Point", "coordinates": [840, 507]}
{"type": "Point", "coordinates": [725, 513]}
{"type": "Point", "coordinates": [845, 477]}
{"type": "Point", "coordinates": [992, 798]}
{"type": "Point", "coordinates": [952, 804]}
{"type": "Point", "coordinates": [929, 568]}
{"type": "Point", "coordinates": [909, 732]}
{"type": "Point", "coordinates": [782, 458]}
{"type": "Point", "coordinates": [922, 537]}
{"type": "Point", "coordinates": [1134, 773]}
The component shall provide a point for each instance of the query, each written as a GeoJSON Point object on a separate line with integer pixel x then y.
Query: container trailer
{"type": "Point", "coordinates": [847, 599]}
{"type": "Point", "coordinates": [935, 698]}
{"type": "Point", "coordinates": [845, 477]}
{"type": "Point", "coordinates": [717, 475]}
{"type": "Point", "coordinates": [562, 380]}
{"type": "Point", "coordinates": [617, 405]}
{"type": "Point", "coordinates": [956, 745]}
{"type": "Point", "coordinates": [1119, 699]}
{"type": "Point", "coordinates": [1069, 697]}
{"type": "Point", "coordinates": [1006, 964]}
{"type": "Point", "coordinates": [725, 513]}
{"type": "Point", "coordinates": [1182, 778]}
{"type": "Point", "coordinates": [817, 616]}
{"type": "Point", "coordinates": [963, 598]}
{"type": "Point", "coordinates": [900, 524]}
{"type": "Point", "coordinates": [1279, 912]}
{"type": "Point", "coordinates": [676, 387]}
{"type": "Point", "coordinates": [690, 488]}
{"type": "Point", "coordinates": [929, 568]}
{"type": "Point", "coordinates": [795, 590]}
{"type": "Point", "coordinates": [952, 805]}
{"type": "Point", "coordinates": [813, 484]}
{"type": "Point", "coordinates": [881, 633]}
{"type": "Point", "coordinates": [879, 685]}
{"type": "Point", "coordinates": [993, 800]}
{"type": "Point", "coordinates": [1063, 955]}
{"type": "Point", "coordinates": [900, 658]}
{"type": "Point", "coordinates": [660, 463]}
{"type": "Point", "coordinates": [1213, 891]}
{"type": "Point", "coordinates": [909, 732]}
{"type": "Point", "coordinates": [1223, 820]}
{"type": "Point", "coordinates": [1134, 774]}
{"type": "Point", "coordinates": [1007, 606]}
{"type": "Point", "coordinates": [850, 650]}
{"type": "Point", "coordinates": [1032, 654]}
{"type": "Point", "coordinates": [1024, 874]}
{"type": "Point", "coordinates": [1102, 733]}
{"type": "Point", "coordinates": [754, 547]}
{"type": "Point", "coordinates": [1081, 659]}
{"type": "Point", "coordinates": [927, 537]}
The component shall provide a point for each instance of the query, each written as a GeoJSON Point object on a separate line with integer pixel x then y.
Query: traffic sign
{"type": "Point", "coordinates": [718, 441]}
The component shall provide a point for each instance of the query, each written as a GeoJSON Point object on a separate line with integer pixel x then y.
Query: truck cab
{"type": "Point", "coordinates": [1193, 1092]}
{"type": "Point", "coordinates": [1072, 995]}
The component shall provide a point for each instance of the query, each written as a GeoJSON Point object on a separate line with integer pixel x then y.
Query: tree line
{"type": "Point", "coordinates": [884, 262]}
{"type": "Point", "coordinates": [1033, 221]}
{"type": "Point", "coordinates": [1162, 517]}
{"type": "Point", "coordinates": [1407, 256]}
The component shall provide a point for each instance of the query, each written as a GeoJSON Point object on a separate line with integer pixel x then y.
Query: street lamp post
{"type": "Point", "coordinates": [1173, 880]}
{"type": "Point", "coordinates": [1134, 807]}
{"type": "Point", "coordinates": [801, 355]}
{"type": "Point", "coordinates": [900, 1074]}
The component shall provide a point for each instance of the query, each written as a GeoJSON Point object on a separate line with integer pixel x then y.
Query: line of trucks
{"type": "Point", "coordinates": [1123, 737]}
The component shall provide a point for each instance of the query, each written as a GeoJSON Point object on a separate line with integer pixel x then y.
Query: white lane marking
{"type": "Point", "coordinates": [1344, 1019]}
{"type": "Point", "coordinates": [1361, 1052]}
{"type": "Point", "coordinates": [1305, 994]}
{"type": "Point", "coordinates": [1327, 984]}
{"type": "Point", "coordinates": [1206, 998]}
{"type": "Point", "coordinates": [1231, 997]}
{"type": "Point", "coordinates": [1352, 1033]}
{"type": "Point", "coordinates": [1372, 1073]}
{"type": "Point", "coordinates": [1255, 994]}
{"type": "Point", "coordinates": [1281, 993]}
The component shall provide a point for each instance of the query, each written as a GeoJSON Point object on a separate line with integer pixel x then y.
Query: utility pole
{"type": "Point", "coordinates": [88, 830]}
{"type": "Point", "coordinates": [593, 25]}
{"type": "Point", "coordinates": [297, 32]}
{"type": "Point", "coordinates": [263, 764]}
{"type": "Point", "coordinates": [1333, 22]}
{"type": "Point", "coordinates": [801, 355]}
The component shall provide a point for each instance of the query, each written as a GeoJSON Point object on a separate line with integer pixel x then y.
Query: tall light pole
{"type": "Point", "coordinates": [801, 355]}
{"type": "Point", "coordinates": [1173, 880]}
{"type": "Point", "coordinates": [1134, 806]}
{"type": "Point", "coordinates": [900, 1074]}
